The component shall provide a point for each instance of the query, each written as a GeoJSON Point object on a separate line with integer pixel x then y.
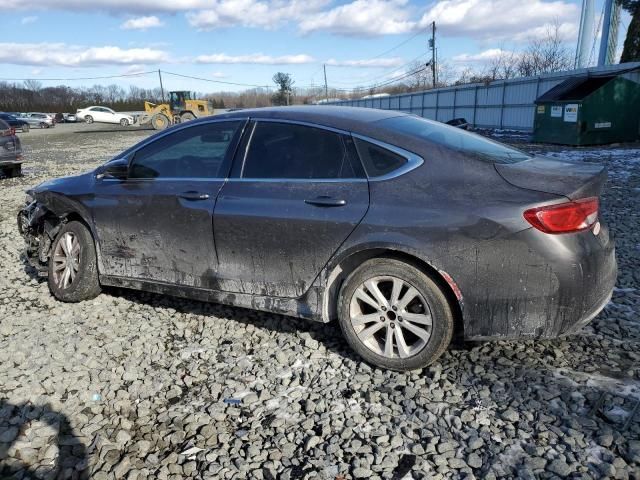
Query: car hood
{"type": "Point", "coordinates": [65, 185]}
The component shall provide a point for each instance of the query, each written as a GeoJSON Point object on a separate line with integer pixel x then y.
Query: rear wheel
{"type": "Point", "coordinates": [73, 267]}
{"type": "Point", "coordinates": [187, 116]}
{"type": "Point", "coordinates": [394, 316]}
{"type": "Point", "coordinates": [88, 119]}
{"type": "Point", "coordinates": [160, 121]}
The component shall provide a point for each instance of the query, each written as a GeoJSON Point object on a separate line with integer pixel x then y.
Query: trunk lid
{"type": "Point", "coordinates": [570, 179]}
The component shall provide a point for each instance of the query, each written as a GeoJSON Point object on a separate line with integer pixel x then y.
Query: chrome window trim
{"type": "Point", "coordinates": [413, 160]}
{"type": "Point", "coordinates": [299, 180]}
{"type": "Point", "coordinates": [180, 127]}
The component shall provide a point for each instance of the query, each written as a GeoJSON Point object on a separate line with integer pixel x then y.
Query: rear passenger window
{"type": "Point", "coordinates": [378, 161]}
{"type": "Point", "coordinates": [283, 150]}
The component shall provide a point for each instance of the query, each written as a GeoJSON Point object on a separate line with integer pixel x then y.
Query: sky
{"type": "Point", "coordinates": [362, 42]}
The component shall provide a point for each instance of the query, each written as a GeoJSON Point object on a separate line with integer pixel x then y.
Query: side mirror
{"type": "Point", "coordinates": [114, 170]}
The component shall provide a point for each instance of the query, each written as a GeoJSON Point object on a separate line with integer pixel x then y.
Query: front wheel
{"type": "Point", "coordinates": [88, 119]}
{"type": "Point", "coordinates": [73, 266]}
{"type": "Point", "coordinates": [187, 117]}
{"type": "Point", "coordinates": [43, 125]}
{"type": "Point", "coordinates": [394, 315]}
{"type": "Point", "coordinates": [124, 122]}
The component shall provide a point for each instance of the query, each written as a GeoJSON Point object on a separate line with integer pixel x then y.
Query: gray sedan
{"type": "Point", "coordinates": [402, 230]}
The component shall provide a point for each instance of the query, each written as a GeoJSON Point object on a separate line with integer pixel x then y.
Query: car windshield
{"type": "Point", "coordinates": [455, 138]}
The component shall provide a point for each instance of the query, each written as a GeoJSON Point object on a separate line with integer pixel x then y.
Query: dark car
{"type": "Point", "coordinates": [459, 123]}
{"type": "Point", "coordinates": [15, 122]}
{"type": "Point", "coordinates": [404, 230]}
{"type": "Point", "coordinates": [10, 151]}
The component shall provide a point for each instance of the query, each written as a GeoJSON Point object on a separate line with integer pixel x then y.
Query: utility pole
{"type": "Point", "coordinates": [161, 87]}
{"type": "Point", "coordinates": [432, 46]}
{"type": "Point", "coordinates": [326, 88]}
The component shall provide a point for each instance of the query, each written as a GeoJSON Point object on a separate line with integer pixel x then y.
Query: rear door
{"type": "Point", "coordinates": [297, 193]}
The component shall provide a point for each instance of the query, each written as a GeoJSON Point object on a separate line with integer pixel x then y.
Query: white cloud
{"type": "Point", "coordinates": [256, 58]}
{"type": "Point", "coordinates": [252, 13]}
{"type": "Point", "coordinates": [484, 56]}
{"type": "Point", "coordinates": [371, 63]}
{"type": "Point", "coordinates": [60, 54]}
{"type": "Point", "coordinates": [484, 20]}
{"type": "Point", "coordinates": [134, 69]}
{"type": "Point", "coordinates": [112, 6]}
{"type": "Point", "coordinates": [218, 75]}
{"type": "Point", "coordinates": [362, 17]}
{"type": "Point", "coordinates": [28, 20]}
{"type": "Point", "coordinates": [142, 23]}
{"type": "Point", "coordinates": [501, 19]}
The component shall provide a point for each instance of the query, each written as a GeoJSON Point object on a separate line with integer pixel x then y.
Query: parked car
{"type": "Point", "coordinates": [36, 119]}
{"type": "Point", "coordinates": [58, 118]}
{"type": "Point", "coordinates": [403, 229]}
{"type": "Point", "coordinates": [70, 118]}
{"type": "Point", "coordinates": [104, 115]}
{"type": "Point", "coordinates": [10, 151]}
{"type": "Point", "coordinates": [459, 123]}
{"type": "Point", "coordinates": [16, 123]}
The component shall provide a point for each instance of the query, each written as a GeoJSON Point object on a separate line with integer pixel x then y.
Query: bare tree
{"type": "Point", "coordinates": [544, 55]}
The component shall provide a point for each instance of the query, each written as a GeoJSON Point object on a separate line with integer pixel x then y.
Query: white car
{"type": "Point", "coordinates": [103, 115]}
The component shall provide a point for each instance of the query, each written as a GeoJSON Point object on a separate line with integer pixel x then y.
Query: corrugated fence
{"type": "Point", "coordinates": [505, 104]}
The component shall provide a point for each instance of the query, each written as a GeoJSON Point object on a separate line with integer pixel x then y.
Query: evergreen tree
{"type": "Point", "coordinates": [631, 50]}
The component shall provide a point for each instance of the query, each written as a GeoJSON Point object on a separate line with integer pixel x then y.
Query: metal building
{"type": "Point", "coordinates": [504, 104]}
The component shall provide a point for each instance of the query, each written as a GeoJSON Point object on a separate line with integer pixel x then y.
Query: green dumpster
{"type": "Point", "coordinates": [591, 110]}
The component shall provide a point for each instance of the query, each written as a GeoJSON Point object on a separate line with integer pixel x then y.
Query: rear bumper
{"type": "Point", "coordinates": [539, 285]}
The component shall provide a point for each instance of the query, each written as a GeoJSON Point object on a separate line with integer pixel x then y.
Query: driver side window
{"type": "Point", "coordinates": [193, 152]}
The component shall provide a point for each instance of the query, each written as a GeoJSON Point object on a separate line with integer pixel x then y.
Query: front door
{"type": "Point", "coordinates": [299, 192]}
{"type": "Point", "coordinates": [157, 224]}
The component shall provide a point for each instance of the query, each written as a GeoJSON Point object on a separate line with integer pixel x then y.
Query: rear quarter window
{"type": "Point", "coordinates": [456, 139]}
{"type": "Point", "coordinates": [378, 161]}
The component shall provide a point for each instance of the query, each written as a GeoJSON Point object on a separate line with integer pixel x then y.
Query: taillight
{"type": "Point", "coordinates": [566, 217]}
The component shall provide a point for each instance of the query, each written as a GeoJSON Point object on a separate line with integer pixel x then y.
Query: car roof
{"type": "Point", "coordinates": [345, 118]}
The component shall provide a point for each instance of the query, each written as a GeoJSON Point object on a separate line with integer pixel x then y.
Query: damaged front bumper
{"type": "Point", "coordinates": [38, 231]}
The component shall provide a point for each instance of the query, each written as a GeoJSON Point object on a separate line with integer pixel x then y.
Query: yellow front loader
{"type": "Point", "coordinates": [181, 108]}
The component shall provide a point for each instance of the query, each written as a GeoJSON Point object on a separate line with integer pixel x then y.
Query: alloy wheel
{"type": "Point", "coordinates": [390, 317]}
{"type": "Point", "coordinates": [66, 260]}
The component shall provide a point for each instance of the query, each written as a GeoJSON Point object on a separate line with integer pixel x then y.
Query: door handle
{"type": "Point", "coordinates": [324, 201]}
{"type": "Point", "coordinates": [194, 196]}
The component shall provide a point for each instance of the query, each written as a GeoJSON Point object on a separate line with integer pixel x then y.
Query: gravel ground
{"type": "Point", "coordinates": [133, 385]}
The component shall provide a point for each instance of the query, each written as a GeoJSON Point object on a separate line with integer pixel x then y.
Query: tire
{"type": "Point", "coordinates": [88, 119]}
{"type": "Point", "coordinates": [124, 122]}
{"type": "Point", "coordinates": [187, 117]}
{"type": "Point", "coordinates": [25, 128]}
{"type": "Point", "coordinates": [428, 301]}
{"type": "Point", "coordinates": [43, 125]}
{"type": "Point", "coordinates": [84, 285]}
{"type": "Point", "coordinates": [160, 121]}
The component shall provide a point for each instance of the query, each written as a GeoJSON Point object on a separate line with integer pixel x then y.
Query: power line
{"type": "Point", "coordinates": [382, 75]}
{"type": "Point", "coordinates": [77, 78]}
{"type": "Point", "coordinates": [400, 44]}
{"type": "Point", "coordinates": [214, 81]}
{"type": "Point", "coordinates": [385, 83]}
